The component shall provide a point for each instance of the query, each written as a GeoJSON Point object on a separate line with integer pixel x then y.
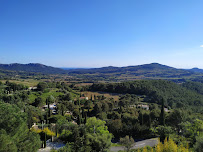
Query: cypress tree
{"type": "Point", "coordinates": [46, 117]}
{"type": "Point", "coordinates": [85, 118]}
{"type": "Point", "coordinates": [83, 113]}
{"type": "Point", "coordinates": [45, 138]}
{"type": "Point", "coordinates": [150, 120]}
{"type": "Point", "coordinates": [162, 115]}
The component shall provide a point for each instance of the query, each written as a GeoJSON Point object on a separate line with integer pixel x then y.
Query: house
{"type": "Point", "coordinates": [146, 107]}
{"type": "Point", "coordinates": [35, 126]}
{"type": "Point", "coordinates": [81, 98]}
{"type": "Point", "coordinates": [52, 107]}
{"type": "Point", "coordinates": [166, 110]}
{"type": "Point", "coordinates": [32, 88]}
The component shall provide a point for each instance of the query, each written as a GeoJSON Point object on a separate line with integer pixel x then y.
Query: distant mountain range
{"type": "Point", "coordinates": [32, 67]}
{"type": "Point", "coordinates": [197, 70]}
{"type": "Point", "coordinates": [145, 71]}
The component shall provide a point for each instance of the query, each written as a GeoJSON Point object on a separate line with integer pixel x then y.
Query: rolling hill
{"type": "Point", "coordinates": [145, 71]}
{"type": "Point", "coordinates": [32, 67]}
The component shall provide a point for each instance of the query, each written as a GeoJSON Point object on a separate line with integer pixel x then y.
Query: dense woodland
{"type": "Point", "coordinates": [174, 95]}
{"type": "Point", "coordinates": [145, 109]}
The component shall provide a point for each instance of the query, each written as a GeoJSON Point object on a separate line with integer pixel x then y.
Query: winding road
{"type": "Point", "coordinates": [150, 142]}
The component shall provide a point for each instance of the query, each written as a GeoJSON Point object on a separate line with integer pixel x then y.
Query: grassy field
{"type": "Point", "coordinates": [108, 95]}
{"type": "Point", "coordinates": [27, 82]}
{"type": "Point", "coordinates": [83, 84]}
{"type": "Point", "coordinates": [54, 92]}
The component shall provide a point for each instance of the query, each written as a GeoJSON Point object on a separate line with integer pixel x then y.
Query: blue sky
{"type": "Point", "coordinates": [97, 33]}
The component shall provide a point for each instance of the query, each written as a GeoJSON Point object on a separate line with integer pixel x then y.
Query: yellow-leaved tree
{"type": "Point", "coordinates": [159, 147]}
{"type": "Point", "coordinates": [144, 149]}
{"type": "Point", "coordinates": [43, 134]}
{"type": "Point", "coordinates": [170, 146]}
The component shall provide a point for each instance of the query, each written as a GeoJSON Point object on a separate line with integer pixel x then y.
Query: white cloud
{"type": "Point", "coordinates": [201, 45]}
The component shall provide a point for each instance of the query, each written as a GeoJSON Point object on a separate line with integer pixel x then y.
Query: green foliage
{"type": "Point", "coordinates": [14, 86]}
{"type": "Point", "coordinates": [97, 135]}
{"type": "Point", "coordinates": [41, 86]}
{"type": "Point", "coordinates": [127, 142]}
{"type": "Point", "coordinates": [6, 143]}
{"type": "Point", "coordinates": [37, 102]}
{"type": "Point", "coordinates": [66, 135]}
{"type": "Point", "coordinates": [53, 92]}
{"type": "Point", "coordinates": [66, 97]}
{"type": "Point", "coordinates": [193, 129]}
{"type": "Point", "coordinates": [174, 94]}
{"type": "Point", "coordinates": [15, 131]}
{"type": "Point", "coordinates": [163, 132]}
{"type": "Point", "coordinates": [198, 147]}
{"type": "Point", "coordinates": [195, 86]}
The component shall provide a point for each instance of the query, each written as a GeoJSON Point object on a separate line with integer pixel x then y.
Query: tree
{"type": "Point", "coordinates": [50, 99]}
{"type": "Point", "coordinates": [38, 100]}
{"type": "Point", "coordinates": [192, 130]}
{"type": "Point", "coordinates": [6, 143]}
{"type": "Point", "coordinates": [170, 146]}
{"type": "Point", "coordinates": [66, 97]}
{"type": "Point", "coordinates": [98, 108]}
{"type": "Point", "coordinates": [177, 117]}
{"type": "Point", "coordinates": [162, 115]}
{"type": "Point", "coordinates": [144, 149]}
{"type": "Point", "coordinates": [198, 147]}
{"type": "Point", "coordinates": [115, 127]}
{"type": "Point", "coordinates": [163, 132]}
{"type": "Point", "coordinates": [127, 142]}
{"type": "Point", "coordinates": [15, 132]}
{"type": "Point", "coordinates": [44, 134]}
{"type": "Point", "coordinates": [41, 86]}
{"type": "Point", "coordinates": [97, 135]}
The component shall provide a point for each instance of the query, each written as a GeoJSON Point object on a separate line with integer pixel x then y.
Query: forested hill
{"type": "Point", "coordinates": [175, 95]}
{"type": "Point", "coordinates": [146, 71]}
{"type": "Point", "coordinates": [139, 69]}
{"type": "Point", "coordinates": [32, 67]}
